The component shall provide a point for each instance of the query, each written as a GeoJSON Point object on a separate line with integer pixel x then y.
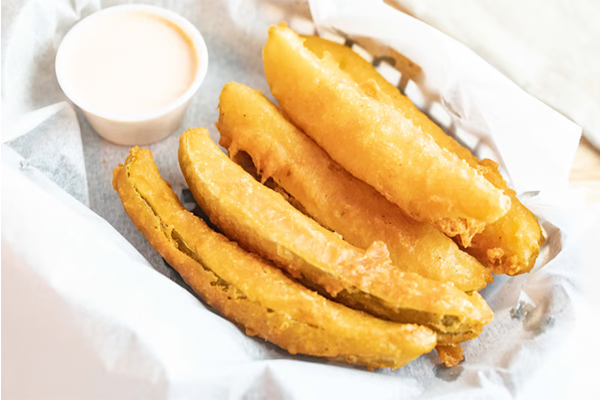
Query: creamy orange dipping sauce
{"type": "Point", "coordinates": [129, 63]}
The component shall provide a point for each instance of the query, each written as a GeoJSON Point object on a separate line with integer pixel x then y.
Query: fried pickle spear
{"type": "Point", "coordinates": [249, 122]}
{"type": "Point", "coordinates": [250, 291]}
{"type": "Point", "coordinates": [512, 243]}
{"type": "Point", "coordinates": [263, 222]}
{"type": "Point", "coordinates": [360, 129]}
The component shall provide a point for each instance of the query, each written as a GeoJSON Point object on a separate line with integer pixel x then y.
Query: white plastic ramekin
{"type": "Point", "coordinates": [139, 129]}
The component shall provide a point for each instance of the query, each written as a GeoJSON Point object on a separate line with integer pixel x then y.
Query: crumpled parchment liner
{"type": "Point", "coordinates": [86, 317]}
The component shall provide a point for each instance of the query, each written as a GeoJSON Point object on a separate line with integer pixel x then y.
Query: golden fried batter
{"type": "Point", "coordinates": [250, 291]}
{"type": "Point", "coordinates": [360, 128]}
{"type": "Point", "coordinates": [263, 222]}
{"type": "Point", "coordinates": [512, 243]}
{"type": "Point", "coordinates": [450, 354]}
{"type": "Point", "coordinates": [249, 122]}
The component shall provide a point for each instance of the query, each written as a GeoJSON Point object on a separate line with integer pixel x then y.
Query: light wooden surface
{"type": "Point", "coordinates": [585, 172]}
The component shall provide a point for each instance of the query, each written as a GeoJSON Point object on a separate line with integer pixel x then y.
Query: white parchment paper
{"type": "Point", "coordinates": [87, 315]}
{"type": "Point", "coordinates": [548, 47]}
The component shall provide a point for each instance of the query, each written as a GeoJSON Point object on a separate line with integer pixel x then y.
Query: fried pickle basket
{"type": "Point", "coordinates": [119, 328]}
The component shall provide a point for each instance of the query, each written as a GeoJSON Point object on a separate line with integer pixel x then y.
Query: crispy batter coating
{"type": "Point", "coordinates": [249, 122]}
{"type": "Point", "coordinates": [457, 338]}
{"type": "Point", "coordinates": [250, 291]}
{"type": "Point", "coordinates": [360, 128]}
{"type": "Point", "coordinates": [263, 222]}
{"type": "Point", "coordinates": [450, 354]}
{"type": "Point", "coordinates": [512, 243]}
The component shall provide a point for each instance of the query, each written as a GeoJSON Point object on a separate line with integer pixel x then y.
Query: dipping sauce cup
{"type": "Point", "coordinates": [132, 70]}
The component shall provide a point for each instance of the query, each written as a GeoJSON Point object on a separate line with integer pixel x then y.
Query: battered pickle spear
{"type": "Point", "coordinates": [263, 222]}
{"type": "Point", "coordinates": [512, 243]}
{"type": "Point", "coordinates": [252, 292]}
{"type": "Point", "coordinates": [361, 130]}
{"type": "Point", "coordinates": [249, 122]}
